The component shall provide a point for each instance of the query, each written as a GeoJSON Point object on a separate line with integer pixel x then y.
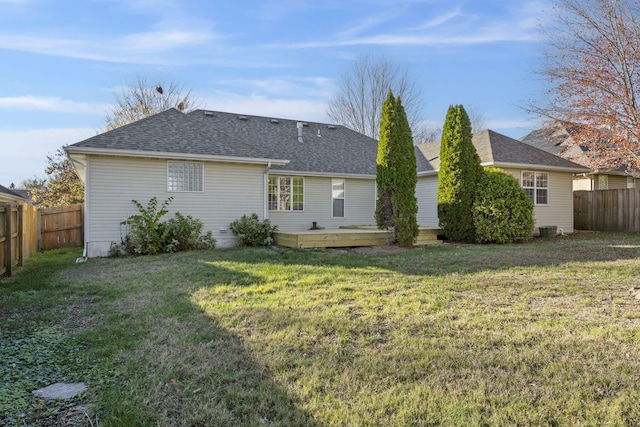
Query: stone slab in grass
{"type": "Point", "coordinates": [61, 391]}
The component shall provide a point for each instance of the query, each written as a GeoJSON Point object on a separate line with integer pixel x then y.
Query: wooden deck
{"type": "Point", "coordinates": [347, 237]}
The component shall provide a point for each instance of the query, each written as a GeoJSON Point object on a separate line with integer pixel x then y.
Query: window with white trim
{"type": "Point", "coordinates": [185, 177]}
{"type": "Point", "coordinates": [337, 198]}
{"type": "Point", "coordinates": [631, 182]}
{"type": "Point", "coordinates": [603, 182]}
{"type": "Point", "coordinates": [536, 185]}
{"type": "Point", "coordinates": [286, 193]}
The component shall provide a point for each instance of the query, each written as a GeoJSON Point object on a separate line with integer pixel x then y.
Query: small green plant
{"type": "Point", "coordinates": [148, 235]}
{"type": "Point", "coordinates": [184, 234]}
{"type": "Point", "coordinates": [250, 231]}
{"type": "Point", "coordinates": [502, 212]}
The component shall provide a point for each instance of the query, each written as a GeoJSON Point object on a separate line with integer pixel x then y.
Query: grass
{"type": "Point", "coordinates": [545, 333]}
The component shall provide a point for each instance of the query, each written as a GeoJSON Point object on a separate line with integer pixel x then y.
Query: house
{"type": "Point", "coordinates": [218, 166]}
{"type": "Point", "coordinates": [11, 196]}
{"type": "Point", "coordinates": [558, 140]}
{"type": "Point", "coordinates": [546, 178]}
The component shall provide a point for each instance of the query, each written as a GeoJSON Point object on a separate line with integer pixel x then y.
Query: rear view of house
{"type": "Point", "coordinates": [219, 166]}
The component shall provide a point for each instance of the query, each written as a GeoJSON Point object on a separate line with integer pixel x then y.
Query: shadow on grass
{"type": "Point", "coordinates": [181, 366]}
{"type": "Point", "coordinates": [453, 258]}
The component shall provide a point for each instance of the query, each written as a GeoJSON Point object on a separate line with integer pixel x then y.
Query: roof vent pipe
{"type": "Point", "coordinates": [300, 125]}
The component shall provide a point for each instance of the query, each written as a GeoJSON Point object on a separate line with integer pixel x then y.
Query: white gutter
{"type": "Point", "coordinates": [520, 166]}
{"type": "Point", "coordinates": [181, 156]}
{"type": "Point", "coordinates": [321, 174]}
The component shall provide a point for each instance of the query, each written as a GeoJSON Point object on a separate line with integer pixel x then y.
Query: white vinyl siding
{"type": "Point", "coordinates": [427, 195]}
{"type": "Point", "coordinates": [559, 210]}
{"type": "Point", "coordinates": [185, 177]}
{"type": "Point", "coordinates": [337, 198]}
{"type": "Point", "coordinates": [232, 191]}
{"type": "Point", "coordinates": [317, 206]}
{"type": "Point", "coordinates": [582, 183]}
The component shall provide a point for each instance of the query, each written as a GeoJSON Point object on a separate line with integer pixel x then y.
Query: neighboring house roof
{"type": "Point", "coordinates": [495, 149]}
{"type": "Point", "coordinates": [558, 140]}
{"type": "Point", "coordinates": [325, 149]}
{"type": "Point", "coordinates": [8, 194]}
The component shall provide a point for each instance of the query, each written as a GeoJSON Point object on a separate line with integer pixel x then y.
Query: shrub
{"type": "Point", "coordinates": [250, 231]}
{"type": "Point", "coordinates": [502, 211]}
{"type": "Point", "coordinates": [184, 234]}
{"type": "Point", "coordinates": [147, 235]}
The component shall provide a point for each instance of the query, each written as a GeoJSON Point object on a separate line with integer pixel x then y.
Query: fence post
{"type": "Point", "coordinates": [20, 235]}
{"type": "Point", "coordinates": [8, 253]}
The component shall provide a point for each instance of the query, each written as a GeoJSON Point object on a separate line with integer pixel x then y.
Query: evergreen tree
{"type": "Point", "coordinates": [459, 173]}
{"type": "Point", "coordinates": [396, 176]}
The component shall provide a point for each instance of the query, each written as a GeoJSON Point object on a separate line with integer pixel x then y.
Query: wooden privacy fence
{"type": "Point", "coordinates": [607, 210]}
{"type": "Point", "coordinates": [61, 227]}
{"type": "Point", "coordinates": [25, 230]}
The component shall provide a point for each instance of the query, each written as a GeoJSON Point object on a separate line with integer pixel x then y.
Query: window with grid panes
{"type": "Point", "coordinates": [286, 193]}
{"type": "Point", "coordinates": [337, 198]}
{"type": "Point", "coordinates": [536, 185]}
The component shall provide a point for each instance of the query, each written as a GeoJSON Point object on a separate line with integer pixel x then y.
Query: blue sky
{"type": "Point", "coordinates": [60, 62]}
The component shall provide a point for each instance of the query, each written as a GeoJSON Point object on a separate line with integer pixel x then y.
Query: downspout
{"type": "Point", "coordinates": [265, 192]}
{"type": "Point", "coordinates": [85, 221]}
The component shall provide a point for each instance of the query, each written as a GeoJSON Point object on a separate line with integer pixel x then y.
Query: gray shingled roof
{"type": "Point", "coordinates": [326, 148]}
{"type": "Point", "coordinates": [171, 132]}
{"type": "Point", "coordinates": [10, 192]}
{"type": "Point", "coordinates": [500, 150]}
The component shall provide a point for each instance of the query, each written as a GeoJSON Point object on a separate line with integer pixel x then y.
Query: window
{"type": "Point", "coordinates": [337, 198]}
{"type": "Point", "coordinates": [536, 185]}
{"type": "Point", "coordinates": [286, 193]}
{"type": "Point", "coordinates": [603, 182]}
{"type": "Point", "coordinates": [631, 182]}
{"type": "Point", "coordinates": [184, 177]}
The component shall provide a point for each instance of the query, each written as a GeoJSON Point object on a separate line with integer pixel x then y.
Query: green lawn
{"type": "Point", "coordinates": [545, 333]}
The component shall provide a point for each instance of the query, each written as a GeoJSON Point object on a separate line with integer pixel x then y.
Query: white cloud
{"type": "Point", "coordinates": [51, 104]}
{"type": "Point", "coordinates": [261, 105]}
{"type": "Point", "coordinates": [150, 47]}
{"type": "Point", "coordinates": [25, 155]}
{"type": "Point", "coordinates": [439, 20]}
{"type": "Point", "coordinates": [285, 86]}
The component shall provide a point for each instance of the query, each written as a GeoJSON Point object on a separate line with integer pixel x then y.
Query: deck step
{"type": "Point", "coordinates": [351, 236]}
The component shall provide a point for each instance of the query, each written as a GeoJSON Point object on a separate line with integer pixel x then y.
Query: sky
{"type": "Point", "coordinates": [62, 61]}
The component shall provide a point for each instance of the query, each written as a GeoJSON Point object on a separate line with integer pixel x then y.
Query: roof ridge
{"type": "Point", "coordinates": [204, 110]}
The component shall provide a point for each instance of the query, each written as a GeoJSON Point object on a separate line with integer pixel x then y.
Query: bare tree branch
{"type": "Point", "coordinates": [357, 103]}
{"type": "Point", "coordinates": [592, 62]}
{"type": "Point", "coordinates": [146, 97]}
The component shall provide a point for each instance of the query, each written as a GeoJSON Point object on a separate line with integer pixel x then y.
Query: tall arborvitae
{"type": "Point", "coordinates": [396, 176]}
{"type": "Point", "coordinates": [384, 170]}
{"type": "Point", "coordinates": [459, 173]}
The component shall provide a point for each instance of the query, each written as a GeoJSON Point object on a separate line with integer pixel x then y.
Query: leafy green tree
{"type": "Point", "coordinates": [396, 177]}
{"type": "Point", "coordinates": [459, 173]}
{"type": "Point", "coordinates": [62, 186]}
{"type": "Point", "coordinates": [502, 211]}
